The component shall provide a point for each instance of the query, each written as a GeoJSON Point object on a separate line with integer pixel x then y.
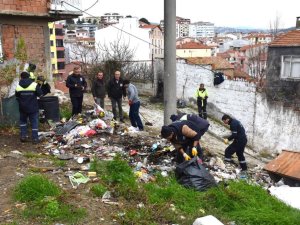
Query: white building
{"type": "Point", "coordinates": [120, 34]}
{"type": "Point", "coordinates": [182, 26]}
{"type": "Point", "coordinates": [110, 18]}
{"type": "Point", "coordinates": [202, 30]}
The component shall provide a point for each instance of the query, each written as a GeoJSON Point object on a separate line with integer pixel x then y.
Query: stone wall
{"type": "Point", "coordinates": [271, 127]}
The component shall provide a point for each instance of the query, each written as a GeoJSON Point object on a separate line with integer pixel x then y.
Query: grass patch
{"type": "Point", "coordinates": [65, 110]}
{"type": "Point", "coordinates": [44, 202]}
{"type": "Point", "coordinates": [98, 190]}
{"type": "Point", "coordinates": [58, 162]}
{"type": "Point", "coordinates": [35, 188]}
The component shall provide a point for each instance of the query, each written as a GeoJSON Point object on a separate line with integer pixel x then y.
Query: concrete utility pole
{"type": "Point", "coordinates": [169, 59]}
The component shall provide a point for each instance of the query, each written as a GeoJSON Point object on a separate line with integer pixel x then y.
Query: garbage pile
{"type": "Point", "coordinates": [96, 135]}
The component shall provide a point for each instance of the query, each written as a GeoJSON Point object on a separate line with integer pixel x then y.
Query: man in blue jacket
{"type": "Point", "coordinates": [77, 85]}
{"type": "Point", "coordinates": [238, 145]}
{"type": "Point", "coordinates": [27, 92]}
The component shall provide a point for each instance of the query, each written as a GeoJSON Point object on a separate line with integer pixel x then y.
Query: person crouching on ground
{"type": "Point", "coordinates": [27, 92]}
{"type": "Point", "coordinates": [134, 106]}
{"type": "Point", "coordinates": [184, 135]}
{"type": "Point", "coordinates": [201, 123]}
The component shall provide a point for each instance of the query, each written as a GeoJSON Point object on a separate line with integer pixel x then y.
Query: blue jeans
{"type": "Point", "coordinates": [134, 116]}
{"type": "Point", "coordinates": [34, 121]}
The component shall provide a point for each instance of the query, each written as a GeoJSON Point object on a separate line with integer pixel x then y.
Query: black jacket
{"type": "Point", "coordinates": [116, 89]}
{"type": "Point", "coordinates": [45, 87]}
{"type": "Point", "coordinates": [98, 88]}
{"type": "Point", "coordinates": [237, 131]}
{"type": "Point", "coordinates": [76, 84]}
{"type": "Point", "coordinates": [27, 92]}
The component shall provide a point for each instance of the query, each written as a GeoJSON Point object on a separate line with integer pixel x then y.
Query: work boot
{"type": "Point", "coordinates": [23, 139]}
{"type": "Point", "coordinates": [35, 141]}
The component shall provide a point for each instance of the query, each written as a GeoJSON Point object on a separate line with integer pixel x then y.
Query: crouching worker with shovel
{"type": "Point", "coordinates": [184, 135]}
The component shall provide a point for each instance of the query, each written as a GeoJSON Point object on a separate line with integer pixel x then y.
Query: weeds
{"type": "Point", "coordinates": [65, 110]}
{"type": "Point", "coordinates": [35, 188]}
{"type": "Point", "coordinates": [98, 190]}
{"type": "Point", "coordinates": [43, 200]}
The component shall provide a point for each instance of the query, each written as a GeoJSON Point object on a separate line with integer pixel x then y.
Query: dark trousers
{"type": "Point", "coordinates": [34, 121]}
{"type": "Point", "coordinates": [134, 116]}
{"type": "Point", "coordinates": [114, 102]}
{"type": "Point", "coordinates": [202, 108]}
{"type": "Point", "coordinates": [237, 147]}
{"type": "Point", "coordinates": [188, 150]}
{"type": "Point", "coordinates": [100, 101]}
{"type": "Point", "coordinates": [76, 105]}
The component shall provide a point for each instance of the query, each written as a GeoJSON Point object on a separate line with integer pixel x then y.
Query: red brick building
{"type": "Point", "coordinates": [29, 19]}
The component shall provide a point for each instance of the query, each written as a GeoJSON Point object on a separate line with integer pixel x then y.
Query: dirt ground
{"type": "Point", "coordinates": [14, 166]}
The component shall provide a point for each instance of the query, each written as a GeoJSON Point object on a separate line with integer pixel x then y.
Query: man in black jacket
{"type": "Point", "coordinates": [27, 92]}
{"type": "Point", "coordinates": [77, 85]}
{"type": "Point", "coordinates": [44, 86]}
{"type": "Point", "coordinates": [116, 91]}
{"type": "Point", "coordinates": [238, 145]}
{"type": "Point", "coordinates": [98, 89]}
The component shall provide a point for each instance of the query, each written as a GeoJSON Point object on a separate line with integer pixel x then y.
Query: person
{"type": "Point", "coordinates": [201, 95]}
{"type": "Point", "coordinates": [27, 92]}
{"type": "Point", "coordinates": [31, 69]}
{"type": "Point", "coordinates": [116, 91]}
{"type": "Point", "coordinates": [238, 145]}
{"type": "Point", "coordinates": [77, 85]}
{"type": "Point", "coordinates": [99, 90]}
{"type": "Point", "coordinates": [202, 124]}
{"type": "Point", "coordinates": [134, 106]}
{"type": "Point", "coordinates": [44, 86]}
{"type": "Point", "coordinates": [184, 135]}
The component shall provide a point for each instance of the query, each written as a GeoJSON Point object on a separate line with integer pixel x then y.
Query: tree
{"type": "Point", "coordinates": [79, 21]}
{"type": "Point", "coordinates": [256, 62]}
{"type": "Point", "coordinates": [89, 20]}
{"type": "Point", "coordinates": [94, 21]}
{"type": "Point", "coordinates": [275, 25]}
{"type": "Point", "coordinates": [144, 20]}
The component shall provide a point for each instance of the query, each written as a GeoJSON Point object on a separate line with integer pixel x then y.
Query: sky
{"type": "Point", "coordinates": [233, 13]}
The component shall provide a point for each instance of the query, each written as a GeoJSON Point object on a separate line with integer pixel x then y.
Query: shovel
{"type": "Point", "coordinates": [146, 121]}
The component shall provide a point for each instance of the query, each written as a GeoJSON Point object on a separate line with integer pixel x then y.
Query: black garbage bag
{"type": "Point", "coordinates": [192, 174]}
{"type": "Point", "coordinates": [218, 78]}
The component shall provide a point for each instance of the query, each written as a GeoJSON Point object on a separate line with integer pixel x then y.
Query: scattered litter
{"type": "Point", "coordinates": [78, 178]}
{"type": "Point", "coordinates": [207, 220]}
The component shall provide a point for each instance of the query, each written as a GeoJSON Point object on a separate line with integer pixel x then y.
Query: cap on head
{"type": "Point", "coordinates": [173, 117]}
{"type": "Point", "coordinates": [166, 131]}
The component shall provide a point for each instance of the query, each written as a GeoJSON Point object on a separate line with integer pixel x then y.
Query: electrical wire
{"type": "Point", "coordinates": [186, 59]}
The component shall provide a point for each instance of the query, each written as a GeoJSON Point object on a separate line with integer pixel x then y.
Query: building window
{"type": "Point", "coordinates": [52, 55]}
{"type": "Point", "coordinates": [51, 43]}
{"type": "Point", "coordinates": [53, 66]}
{"type": "Point", "coordinates": [290, 67]}
{"type": "Point", "coordinates": [51, 31]}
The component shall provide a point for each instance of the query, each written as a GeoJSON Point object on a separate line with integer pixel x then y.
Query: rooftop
{"type": "Point", "coordinates": [289, 39]}
{"type": "Point", "coordinates": [192, 45]}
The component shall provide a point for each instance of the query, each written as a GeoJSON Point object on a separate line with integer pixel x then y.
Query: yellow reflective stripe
{"type": "Point", "coordinates": [201, 94]}
{"type": "Point", "coordinates": [31, 87]}
{"type": "Point", "coordinates": [32, 76]}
